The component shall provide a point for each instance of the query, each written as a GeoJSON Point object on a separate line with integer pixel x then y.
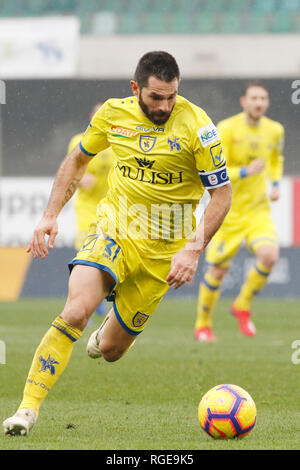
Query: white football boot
{"type": "Point", "coordinates": [92, 347]}
{"type": "Point", "coordinates": [20, 423]}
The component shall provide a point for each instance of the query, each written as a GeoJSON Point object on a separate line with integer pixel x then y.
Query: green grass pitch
{"type": "Point", "coordinates": [149, 399]}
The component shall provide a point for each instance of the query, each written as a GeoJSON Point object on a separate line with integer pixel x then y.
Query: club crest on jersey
{"type": "Point", "coordinates": [139, 319]}
{"type": "Point", "coordinates": [216, 152]}
{"type": "Point", "coordinates": [174, 144]}
{"type": "Point", "coordinates": [147, 142]}
{"type": "Point", "coordinates": [48, 364]}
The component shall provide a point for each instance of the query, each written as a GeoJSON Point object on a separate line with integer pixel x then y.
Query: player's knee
{"type": "Point", "coordinates": [76, 313]}
{"type": "Point", "coordinates": [218, 272]}
{"type": "Point", "coordinates": [110, 352]}
{"type": "Point", "coordinates": [268, 257]}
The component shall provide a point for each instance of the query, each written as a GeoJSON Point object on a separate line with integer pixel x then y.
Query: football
{"type": "Point", "coordinates": [227, 411]}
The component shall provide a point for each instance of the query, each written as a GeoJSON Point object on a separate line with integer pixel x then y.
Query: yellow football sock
{"type": "Point", "coordinates": [50, 360]}
{"type": "Point", "coordinates": [209, 294]}
{"type": "Point", "coordinates": [255, 282]}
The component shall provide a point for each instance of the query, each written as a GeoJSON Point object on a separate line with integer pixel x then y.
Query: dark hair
{"type": "Point", "coordinates": [251, 84]}
{"type": "Point", "coordinates": [160, 64]}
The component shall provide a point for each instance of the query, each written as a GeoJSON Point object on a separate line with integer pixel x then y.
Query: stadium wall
{"type": "Point", "coordinates": [206, 55]}
{"type": "Point", "coordinates": [26, 278]}
{"type": "Point", "coordinates": [40, 116]}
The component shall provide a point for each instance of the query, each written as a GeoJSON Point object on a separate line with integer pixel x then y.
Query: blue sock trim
{"type": "Point", "coordinates": [65, 333]}
{"type": "Point", "coordinates": [209, 286]}
{"type": "Point", "coordinates": [262, 273]}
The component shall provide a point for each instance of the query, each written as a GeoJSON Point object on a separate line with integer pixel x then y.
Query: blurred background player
{"type": "Point", "coordinates": [92, 188]}
{"type": "Point", "coordinates": [253, 149]}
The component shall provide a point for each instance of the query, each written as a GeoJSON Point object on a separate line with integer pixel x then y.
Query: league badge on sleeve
{"type": "Point", "coordinates": [216, 152]}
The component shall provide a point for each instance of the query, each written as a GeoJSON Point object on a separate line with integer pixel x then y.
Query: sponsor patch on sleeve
{"type": "Point", "coordinates": [208, 135]}
{"type": "Point", "coordinates": [215, 178]}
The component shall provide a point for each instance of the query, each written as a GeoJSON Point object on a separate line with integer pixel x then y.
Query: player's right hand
{"type": "Point", "coordinates": [255, 167]}
{"type": "Point", "coordinates": [37, 246]}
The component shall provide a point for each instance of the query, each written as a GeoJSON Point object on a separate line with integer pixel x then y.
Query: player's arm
{"type": "Point", "coordinates": [88, 179]}
{"type": "Point", "coordinates": [211, 165]}
{"type": "Point", "coordinates": [276, 165]}
{"type": "Point", "coordinates": [184, 264]}
{"type": "Point", "coordinates": [65, 184]}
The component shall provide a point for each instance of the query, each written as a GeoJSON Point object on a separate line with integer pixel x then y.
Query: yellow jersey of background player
{"type": "Point", "coordinates": [253, 146]}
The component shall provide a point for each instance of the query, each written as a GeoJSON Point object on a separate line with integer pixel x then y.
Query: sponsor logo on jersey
{"type": "Point", "coordinates": [121, 132]}
{"type": "Point", "coordinates": [208, 134]}
{"type": "Point", "coordinates": [216, 152]}
{"type": "Point", "coordinates": [139, 319]}
{"type": "Point", "coordinates": [145, 175]}
{"type": "Point", "coordinates": [144, 162]}
{"type": "Point", "coordinates": [147, 142]}
{"type": "Point", "coordinates": [174, 144]}
{"type": "Point", "coordinates": [150, 129]}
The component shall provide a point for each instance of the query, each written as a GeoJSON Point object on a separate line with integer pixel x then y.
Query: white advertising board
{"type": "Point", "coordinates": [39, 47]}
{"type": "Point", "coordinates": [22, 203]}
{"type": "Point", "coordinates": [23, 200]}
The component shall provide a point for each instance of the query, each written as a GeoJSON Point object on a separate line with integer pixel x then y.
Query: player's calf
{"type": "Point", "coordinates": [110, 341]}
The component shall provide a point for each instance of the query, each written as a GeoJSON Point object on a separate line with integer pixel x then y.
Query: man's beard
{"type": "Point", "coordinates": [256, 115]}
{"type": "Point", "coordinates": [162, 117]}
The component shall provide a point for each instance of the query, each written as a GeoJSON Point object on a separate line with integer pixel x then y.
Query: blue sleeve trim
{"type": "Point", "coordinates": [243, 172]}
{"type": "Point", "coordinates": [131, 332]}
{"type": "Point", "coordinates": [215, 178]}
{"type": "Point", "coordinates": [275, 183]}
{"type": "Point", "coordinates": [85, 151]}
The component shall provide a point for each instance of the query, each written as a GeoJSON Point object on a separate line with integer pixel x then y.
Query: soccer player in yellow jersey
{"type": "Point", "coordinates": [253, 147]}
{"type": "Point", "coordinates": [167, 152]}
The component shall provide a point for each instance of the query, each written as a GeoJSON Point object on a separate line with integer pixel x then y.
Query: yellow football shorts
{"type": "Point", "coordinates": [256, 230]}
{"type": "Point", "coordinates": [85, 216]}
{"type": "Point", "coordinates": [140, 283]}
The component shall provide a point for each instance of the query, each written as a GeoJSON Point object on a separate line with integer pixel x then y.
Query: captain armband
{"type": "Point", "coordinates": [214, 178]}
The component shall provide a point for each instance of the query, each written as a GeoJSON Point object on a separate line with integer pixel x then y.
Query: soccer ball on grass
{"type": "Point", "coordinates": [227, 411]}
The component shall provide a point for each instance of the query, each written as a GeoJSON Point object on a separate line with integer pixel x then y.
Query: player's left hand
{"type": "Point", "coordinates": [183, 267]}
{"type": "Point", "coordinates": [275, 193]}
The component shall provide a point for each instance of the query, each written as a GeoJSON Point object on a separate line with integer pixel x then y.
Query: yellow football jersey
{"type": "Point", "coordinates": [160, 172]}
{"type": "Point", "coordinates": [242, 144]}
